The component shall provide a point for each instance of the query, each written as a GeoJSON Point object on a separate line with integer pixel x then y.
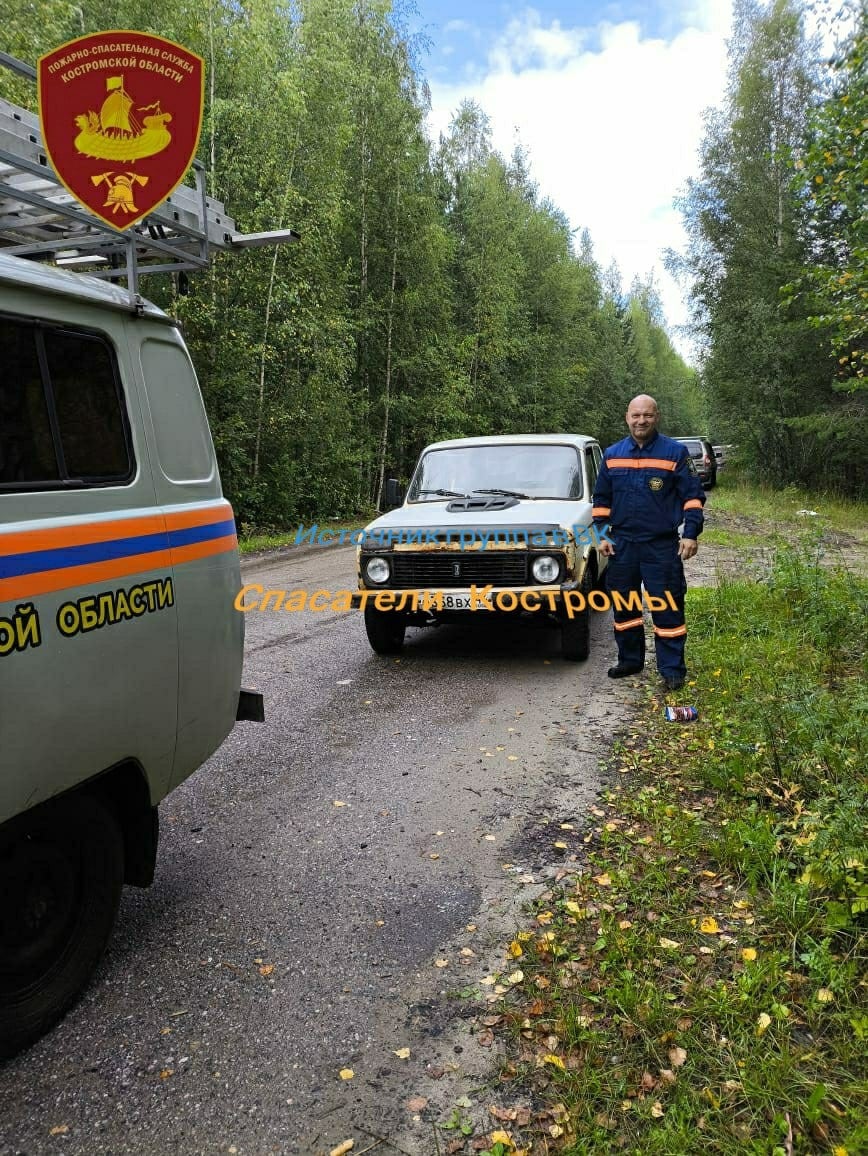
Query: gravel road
{"type": "Point", "coordinates": [311, 876]}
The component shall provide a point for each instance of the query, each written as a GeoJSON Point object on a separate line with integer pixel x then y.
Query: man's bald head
{"type": "Point", "coordinates": [642, 418]}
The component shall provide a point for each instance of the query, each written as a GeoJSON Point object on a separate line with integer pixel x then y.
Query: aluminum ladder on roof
{"type": "Point", "coordinates": [41, 220]}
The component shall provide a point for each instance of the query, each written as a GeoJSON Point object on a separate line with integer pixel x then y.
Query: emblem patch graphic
{"type": "Point", "coordinates": [121, 114]}
{"type": "Point", "coordinates": [655, 483]}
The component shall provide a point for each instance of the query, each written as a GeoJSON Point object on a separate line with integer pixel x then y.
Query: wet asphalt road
{"type": "Point", "coordinates": [310, 876]}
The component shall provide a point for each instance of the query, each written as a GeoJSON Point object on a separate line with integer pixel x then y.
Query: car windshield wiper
{"type": "Point", "coordinates": [443, 493]}
{"type": "Point", "coordinates": [505, 493]}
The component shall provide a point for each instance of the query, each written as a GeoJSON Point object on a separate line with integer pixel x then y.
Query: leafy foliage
{"type": "Point", "coordinates": [433, 292]}
{"type": "Point", "coordinates": [777, 265]}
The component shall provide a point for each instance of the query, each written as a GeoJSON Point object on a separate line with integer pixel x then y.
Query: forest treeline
{"type": "Point", "coordinates": [435, 293]}
{"type": "Point", "coordinates": [777, 258]}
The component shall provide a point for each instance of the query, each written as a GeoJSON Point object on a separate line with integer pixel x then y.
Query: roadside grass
{"type": "Point", "coordinates": [736, 496]}
{"type": "Point", "coordinates": [715, 535]}
{"type": "Point", "coordinates": [253, 541]}
{"type": "Point", "coordinates": [695, 982]}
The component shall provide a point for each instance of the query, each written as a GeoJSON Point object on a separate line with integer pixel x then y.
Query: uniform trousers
{"type": "Point", "coordinates": [654, 564]}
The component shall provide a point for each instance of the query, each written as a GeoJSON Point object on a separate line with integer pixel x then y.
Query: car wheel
{"type": "Point", "coordinates": [576, 631]}
{"type": "Point", "coordinates": [385, 630]}
{"type": "Point", "coordinates": [61, 874]}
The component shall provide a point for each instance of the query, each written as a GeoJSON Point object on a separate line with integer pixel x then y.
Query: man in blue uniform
{"type": "Point", "coordinates": [646, 487]}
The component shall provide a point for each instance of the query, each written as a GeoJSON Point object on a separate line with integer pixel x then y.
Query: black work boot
{"type": "Point", "coordinates": [623, 669]}
{"type": "Point", "coordinates": [672, 683]}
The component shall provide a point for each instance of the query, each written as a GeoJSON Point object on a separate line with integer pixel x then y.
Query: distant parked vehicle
{"type": "Point", "coordinates": [719, 456]}
{"type": "Point", "coordinates": [704, 459]}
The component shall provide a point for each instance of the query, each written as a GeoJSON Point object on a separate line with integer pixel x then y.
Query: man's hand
{"type": "Point", "coordinates": [607, 549]}
{"type": "Point", "coordinates": [687, 547]}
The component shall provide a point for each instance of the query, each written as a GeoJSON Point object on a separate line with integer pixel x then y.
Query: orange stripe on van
{"type": "Point", "coordinates": [184, 517]}
{"type": "Point", "coordinates": [182, 554]}
{"type": "Point", "coordinates": [82, 533]}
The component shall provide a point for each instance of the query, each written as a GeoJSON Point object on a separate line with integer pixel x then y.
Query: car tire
{"type": "Point", "coordinates": [61, 874]}
{"type": "Point", "coordinates": [385, 630]}
{"type": "Point", "coordinates": [576, 631]}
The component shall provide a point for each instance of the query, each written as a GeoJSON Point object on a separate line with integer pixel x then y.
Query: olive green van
{"type": "Point", "coordinates": [120, 650]}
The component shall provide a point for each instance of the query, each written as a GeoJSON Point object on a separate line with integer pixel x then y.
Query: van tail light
{"type": "Point", "coordinates": [706, 460]}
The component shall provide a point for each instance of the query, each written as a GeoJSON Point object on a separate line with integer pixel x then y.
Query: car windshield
{"type": "Point", "coordinates": [533, 471]}
{"type": "Point", "coordinates": [694, 445]}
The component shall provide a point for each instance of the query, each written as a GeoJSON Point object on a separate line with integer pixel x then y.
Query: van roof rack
{"type": "Point", "coordinates": [41, 220]}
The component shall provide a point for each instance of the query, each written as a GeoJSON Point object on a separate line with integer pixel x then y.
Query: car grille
{"type": "Point", "coordinates": [436, 571]}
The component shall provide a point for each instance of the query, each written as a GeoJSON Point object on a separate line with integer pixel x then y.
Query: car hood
{"type": "Point", "coordinates": [537, 512]}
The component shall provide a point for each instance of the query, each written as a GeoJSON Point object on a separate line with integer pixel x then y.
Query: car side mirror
{"type": "Point", "coordinates": [393, 494]}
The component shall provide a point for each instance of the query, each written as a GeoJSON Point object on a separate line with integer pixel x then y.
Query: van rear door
{"type": "Point", "coordinates": [203, 546]}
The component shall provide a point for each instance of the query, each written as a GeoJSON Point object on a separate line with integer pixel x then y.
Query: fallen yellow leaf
{"type": "Point", "coordinates": [763, 1023]}
{"type": "Point", "coordinates": [560, 846]}
{"type": "Point", "coordinates": [59, 1130]}
{"type": "Point", "coordinates": [554, 1060]}
{"type": "Point", "coordinates": [515, 950]}
{"type": "Point", "coordinates": [709, 926]}
{"type": "Point", "coordinates": [166, 1072]}
{"type": "Point", "coordinates": [266, 969]}
{"type": "Point", "coordinates": [824, 995]}
{"type": "Point", "coordinates": [603, 880]}
{"type": "Point", "coordinates": [657, 1109]}
{"type": "Point", "coordinates": [671, 944]}
{"type": "Point", "coordinates": [677, 1057]}
{"type": "Point", "coordinates": [441, 962]}
{"type": "Point", "coordinates": [567, 827]}
{"type": "Point", "coordinates": [515, 977]}
{"type": "Point", "coordinates": [342, 1149]}
{"type": "Point", "coordinates": [544, 917]}
{"type": "Point", "coordinates": [346, 1073]}
{"type": "Point", "coordinates": [433, 855]}
{"type": "Point", "coordinates": [402, 1053]}
{"type": "Point", "coordinates": [501, 1137]}
{"type": "Point", "coordinates": [574, 908]}
{"type": "Point", "coordinates": [340, 803]}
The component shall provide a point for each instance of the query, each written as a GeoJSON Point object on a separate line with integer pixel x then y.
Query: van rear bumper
{"type": "Point", "coordinates": [251, 706]}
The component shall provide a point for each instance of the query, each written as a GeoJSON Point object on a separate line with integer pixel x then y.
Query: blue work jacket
{"type": "Point", "coordinates": [646, 492]}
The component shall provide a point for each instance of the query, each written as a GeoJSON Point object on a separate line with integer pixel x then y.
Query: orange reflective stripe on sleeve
{"type": "Point", "coordinates": [633, 622]}
{"type": "Point", "coordinates": [601, 511]}
{"type": "Point", "coordinates": [641, 463]}
{"type": "Point", "coordinates": [671, 632]}
{"type": "Point", "coordinates": [693, 504]}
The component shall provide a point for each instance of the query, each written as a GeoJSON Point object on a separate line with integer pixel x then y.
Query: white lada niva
{"type": "Point", "coordinates": [488, 526]}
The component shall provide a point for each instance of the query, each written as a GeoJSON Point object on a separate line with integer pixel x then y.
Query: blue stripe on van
{"type": "Point", "coordinates": [38, 561]}
{"type": "Point", "coordinates": [201, 533]}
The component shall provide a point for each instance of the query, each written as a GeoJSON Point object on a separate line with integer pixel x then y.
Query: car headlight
{"type": "Point", "coordinates": [377, 570]}
{"type": "Point", "coordinates": [546, 569]}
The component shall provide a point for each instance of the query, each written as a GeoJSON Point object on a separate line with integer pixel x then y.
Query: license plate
{"type": "Point", "coordinates": [456, 601]}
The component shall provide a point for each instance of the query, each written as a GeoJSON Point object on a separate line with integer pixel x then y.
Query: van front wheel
{"type": "Point", "coordinates": [385, 630]}
{"type": "Point", "coordinates": [61, 873]}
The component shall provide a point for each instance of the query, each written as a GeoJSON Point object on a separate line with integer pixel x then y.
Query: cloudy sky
{"type": "Point", "coordinates": [607, 98]}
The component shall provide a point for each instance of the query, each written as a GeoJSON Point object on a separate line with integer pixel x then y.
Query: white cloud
{"type": "Point", "coordinates": [612, 123]}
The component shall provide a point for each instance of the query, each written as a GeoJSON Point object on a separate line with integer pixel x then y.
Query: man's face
{"type": "Point", "coordinates": [642, 418]}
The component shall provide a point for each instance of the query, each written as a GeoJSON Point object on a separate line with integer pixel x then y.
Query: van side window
{"type": "Point", "coordinates": [61, 417]}
{"type": "Point", "coordinates": [26, 444]}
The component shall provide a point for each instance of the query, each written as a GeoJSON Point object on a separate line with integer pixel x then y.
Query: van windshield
{"type": "Point", "coordinates": [535, 471]}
